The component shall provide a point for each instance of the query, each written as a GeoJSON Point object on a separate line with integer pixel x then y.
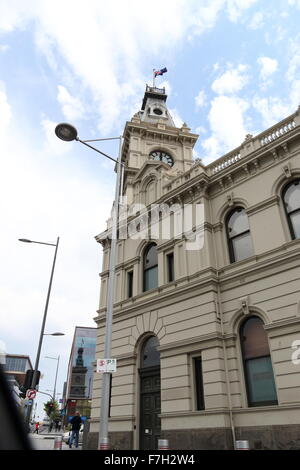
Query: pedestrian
{"type": "Point", "coordinates": [50, 426]}
{"type": "Point", "coordinates": [36, 427]}
{"type": "Point", "coordinates": [59, 426]}
{"type": "Point", "coordinates": [76, 423]}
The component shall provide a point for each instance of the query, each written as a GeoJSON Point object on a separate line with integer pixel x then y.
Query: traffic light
{"type": "Point", "coordinates": [28, 382]}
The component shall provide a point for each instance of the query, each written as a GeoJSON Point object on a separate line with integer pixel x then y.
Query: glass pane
{"type": "Point", "coordinates": [170, 265]}
{"type": "Point", "coordinates": [150, 257]}
{"type": "Point", "coordinates": [199, 383]}
{"type": "Point", "coordinates": [261, 385]}
{"type": "Point", "coordinates": [150, 354]}
{"type": "Point", "coordinates": [151, 278]}
{"type": "Point", "coordinates": [242, 247]}
{"type": "Point", "coordinates": [254, 339]}
{"type": "Point", "coordinates": [295, 219]}
{"type": "Point", "coordinates": [292, 196]}
{"type": "Point", "coordinates": [238, 223]}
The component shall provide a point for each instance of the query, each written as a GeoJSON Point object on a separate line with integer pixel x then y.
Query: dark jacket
{"type": "Point", "coordinates": [76, 422]}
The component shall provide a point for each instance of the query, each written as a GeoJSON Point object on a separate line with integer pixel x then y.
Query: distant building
{"type": "Point", "coordinates": [78, 388]}
{"type": "Point", "coordinates": [15, 368]}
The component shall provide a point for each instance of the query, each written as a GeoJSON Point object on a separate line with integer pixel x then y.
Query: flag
{"type": "Point", "coordinates": [160, 72]}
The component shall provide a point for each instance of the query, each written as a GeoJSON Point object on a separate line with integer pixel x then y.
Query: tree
{"type": "Point", "coordinates": [52, 409]}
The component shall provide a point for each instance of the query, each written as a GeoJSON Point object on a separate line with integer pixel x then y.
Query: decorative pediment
{"type": "Point", "coordinates": [150, 166]}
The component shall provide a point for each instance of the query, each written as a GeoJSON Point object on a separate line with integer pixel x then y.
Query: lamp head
{"type": "Point", "coordinates": [25, 240]}
{"type": "Point", "coordinates": [66, 132]}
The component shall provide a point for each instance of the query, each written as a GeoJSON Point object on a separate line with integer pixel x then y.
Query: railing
{"type": "Point", "coordinates": [260, 140]}
{"type": "Point", "coordinates": [276, 133]}
{"type": "Point", "coordinates": [226, 162]}
{"type": "Point", "coordinates": [152, 89]}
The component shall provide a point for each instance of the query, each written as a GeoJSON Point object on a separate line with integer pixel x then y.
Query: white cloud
{"type": "Point", "coordinates": [200, 99]}
{"type": "Point", "coordinates": [5, 111]}
{"type": "Point", "coordinates": [231, 81]}
{"type": "Point", "coordinates": [105, 57]}
{"type": "Point", "coordinates": [257, 20]}
{"type": "Point", "coordinates": [4, 47]}
{"type": "Point", "coordinates": [235, 8]}
{"type": "Point", "coordinates": [272, 109]}
{"type": "Point", "coordinates": [294, 3]}
{"type": "Point", "coordinates": [200, 130]}
{"type": "Point", "coordinates": [53, 145]}
{"type": "Point", "coordinates": [226, 118]}
{"type": "Point", "coordinates": [178, 121]}
{"type": "Point", "coordinates": [72, 108]}
{"type": "Point", "coordinates": [268, 66]}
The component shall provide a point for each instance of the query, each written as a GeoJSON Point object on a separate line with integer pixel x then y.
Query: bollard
{"type": "Point", "coordinates": [242, 445]}
{"type": "Point", "coordinates": [163, 444]}
{"type": "Point", "coordinates": [104, 444]}
{"type": "Point", "coordinates": [57, 443]}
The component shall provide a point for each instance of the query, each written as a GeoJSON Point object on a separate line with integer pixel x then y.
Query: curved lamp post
{"type": "Point", "coordinates": [56, 359]}
{"type": "Point", "coordinates": [67, 132]}
{"type": "Point", "coordinates": [42, 334]}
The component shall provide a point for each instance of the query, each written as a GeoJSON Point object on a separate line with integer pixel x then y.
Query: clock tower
{"type": "Point", "coordinates": [155, 151]}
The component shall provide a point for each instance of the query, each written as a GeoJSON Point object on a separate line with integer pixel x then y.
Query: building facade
{"type": "Point", "coordinates": [78, 388]}
{"type": "Point", "coordinates": [15, 367]}
{"type": "Point", "coordinates": [206, 325]}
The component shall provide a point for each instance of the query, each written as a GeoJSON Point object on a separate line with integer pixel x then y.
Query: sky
{"type": "Point", "coordinates": [233, 69]}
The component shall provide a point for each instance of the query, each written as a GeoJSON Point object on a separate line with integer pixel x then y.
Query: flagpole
{"type": "Point", "coordinates": [153, 78]}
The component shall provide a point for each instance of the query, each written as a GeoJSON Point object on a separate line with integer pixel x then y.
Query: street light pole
{"type": "Point", "coordinates": [35, 373]}
{"type": "Point", "coordinates": [67, 132]}
{"type": "Point", "coordinates": [56, 359]}
{"type": "Point", "coordinates": [103, 442]}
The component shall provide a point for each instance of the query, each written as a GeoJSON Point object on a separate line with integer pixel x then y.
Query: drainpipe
{"type": "Point", "coordinates": [224, 346]}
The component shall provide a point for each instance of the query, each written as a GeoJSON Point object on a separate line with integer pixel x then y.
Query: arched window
{"type": "Point", "coordinates": [150, 267]}
{"type": "Point", "coordinates": [239, 236]}
{"type": "Point", "coordinates": [150, 356]}
{"type": "Point", "coordinates": [258, 369]}
{"type": "Point", "coordinates": [291, 199]}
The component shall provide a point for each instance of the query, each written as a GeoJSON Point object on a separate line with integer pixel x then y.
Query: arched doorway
{"type": "Point", "coordinates": [149, 394]}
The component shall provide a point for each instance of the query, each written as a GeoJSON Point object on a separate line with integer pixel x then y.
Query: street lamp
{"type": "Point", "coordinates": [42, 334]}
{"type": "Point", "coordinates": [67, 132]}
{"type": "Point", "coordinates": [56, 359]}
{"type": "Point", "coordinates": [54, 334]}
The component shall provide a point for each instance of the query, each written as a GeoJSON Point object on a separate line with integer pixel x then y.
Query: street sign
{"type": "Point", "coordinates": [28, 402]}
{"type": "Point", "coordinates": [30, 394]}
{"type": "Point", "coordinates": [106, 365]}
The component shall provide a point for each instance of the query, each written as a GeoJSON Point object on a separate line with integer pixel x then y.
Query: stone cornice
{"type": "Point", "coordinates": [218, 411]}
{"type": "Point", "coordinates": [279, 325]}
{"type": "Point", "coordinates": [149, 130]}
{"type": "Point", "coordinates": [259, 263]}
{"type": "Point", "coordinates": [272, 201]}
{"type": "Point", "coordinates": [172, 349]}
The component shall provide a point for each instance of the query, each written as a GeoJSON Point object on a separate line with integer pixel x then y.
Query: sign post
{"type": "Point", "coordinates": [106, 365]}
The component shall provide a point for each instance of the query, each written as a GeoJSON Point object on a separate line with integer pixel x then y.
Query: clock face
{"type": "Point", "coordinates": [161, 156]}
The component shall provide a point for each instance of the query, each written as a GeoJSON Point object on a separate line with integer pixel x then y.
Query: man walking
{"type": "Point", "coordinates": [76, 423]}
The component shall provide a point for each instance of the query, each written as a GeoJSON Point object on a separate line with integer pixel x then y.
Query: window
{"type": "Point", "coordinates": [239, 236]}
{"type": "Point", "coordinates": [258, 370]}
{"type": "Point", "coordinates": [291, 199]}
{"type": "Point", "coordinates": [150, 268]}
{"type": "Point", "coordinates": [199, 383]}
{"type": "Point", "coordinates": [170, 267]}
{"type": "Point", "coordinates": [129, 284]}
{"type": "Point", "coordinates": [150, 356]}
